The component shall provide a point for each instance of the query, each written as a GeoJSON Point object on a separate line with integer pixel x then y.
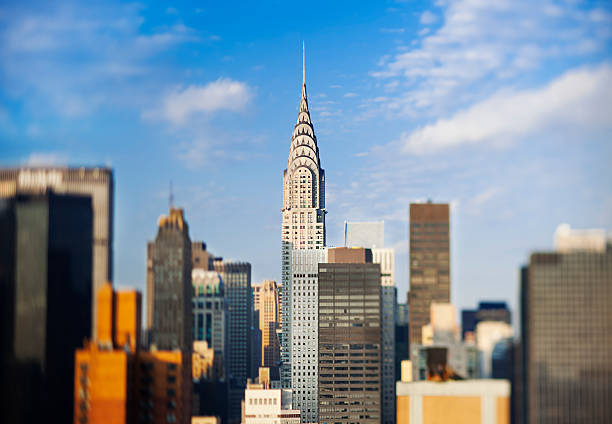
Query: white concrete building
{"type": "Point", "coordinates": [304, 335]}
{"type": "Point", "coordinates": [269, 406]}
{"type": "Point", "coordinates": [303, 212]}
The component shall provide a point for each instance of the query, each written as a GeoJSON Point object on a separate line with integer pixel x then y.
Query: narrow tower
{"type": "Point", "coordinates": [303, 210]}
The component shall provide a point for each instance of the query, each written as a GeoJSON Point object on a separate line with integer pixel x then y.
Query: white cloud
{"type": "Point", "coordinates": [581, 98]}
{"type": "Point", "coordinates": [350, 95]}
{"type": "Point", "coordinates": [482, 44]}
{"type": "Point", "coordinates": [223, 94]}
{"type": "Point", "coordinates": [428, 18]}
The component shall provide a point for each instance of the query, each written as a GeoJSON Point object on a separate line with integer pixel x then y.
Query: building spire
{"type": "Point", "coordinates": [303, 63]}
{"type": "Point", "coordinates": [171, 200]}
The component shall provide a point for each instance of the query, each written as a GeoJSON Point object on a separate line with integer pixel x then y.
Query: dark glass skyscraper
{"type": "Point", "coordinates": [566, 338]}
{"type": "Point", "coordinates": [237, 279]}
{"type": "Point", "coordinates": [429, 263]}
{"type": "Point", "coordinates": [47, 278]}
{"type": "Point", "coordinates": [350, 338]}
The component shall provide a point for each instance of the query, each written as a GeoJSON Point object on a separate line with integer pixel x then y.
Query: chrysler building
{"type": "Point", "coordinates": [303, 211]}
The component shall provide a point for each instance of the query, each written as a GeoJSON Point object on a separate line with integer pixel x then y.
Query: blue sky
{"type": "Point", "coordinates": [502, 108]}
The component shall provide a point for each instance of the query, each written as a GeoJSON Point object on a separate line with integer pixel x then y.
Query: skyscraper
{"type": "Point", "coordinates": [566, 334]}
{"type": "Point", "coordinates": [429, 263]}
{"type": "Point", "coordinates": [169, 289]}
{"type": "Point", "coordinates": [210, 314]}
{"type": "Point", "coordinates": [371, 235]}
{"type": "Point", "coordinates": [236, 278]}
{"type": "Point", "coordinates": [96, 183]}
{"type": "Point", "coordinates": [304, 332]}
{"type": "Point", "coordinates": [350, 338]}
{"type": "Point", "coordinates": [269, 321]}
{"type": "Point", "coordinates": [47, 239]}
{"type": "Point", "coordinates": [303, 212]}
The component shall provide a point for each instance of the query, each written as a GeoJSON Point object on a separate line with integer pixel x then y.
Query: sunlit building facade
{"type": "Point", "coordinates": [303, 213]}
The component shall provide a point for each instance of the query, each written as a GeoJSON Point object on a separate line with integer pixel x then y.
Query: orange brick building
{"type": "Point", "coordinates": [116, 381]}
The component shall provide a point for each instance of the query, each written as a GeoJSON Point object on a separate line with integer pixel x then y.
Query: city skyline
{"type": "Point", "coordinates": [508, 192]}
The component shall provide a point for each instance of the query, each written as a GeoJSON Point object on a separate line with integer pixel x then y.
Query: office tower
{"type": "Point", "coordinates": [401, 338]}
{"type": "Point", "coordinates": [457, 402]}
{"type": "Point", "coordinates": [47, 272]}
{"type": "Point", "coordinates": [210, 315]}
{"type": "Point", "coordinates": [371, 235]}
{"type": "Point", "coordinates": [303, 334]}
{"type": "Point", "coordinates": [364, 234]}
{"type": "Point", "coordinates": [169, 289]}
{"type": "Point", "coordinates": [236, 277]}
{"type": "Point", "coordinates": [566, 334]}
{"type": "Point", "coordinates": [96, 183]}
{"type": "Point", "coordinates": [263, 404]}
{"type": "Point", "coordinates": [429, 262]}
{"type": "Point", "coordinates": [303, 212]}
{"type": "Point", "coordinates": [350, 337]}
{"type": "Point", "coordinates": [269, 321]}
{"type": "Point", "coordinates": [200, 257]}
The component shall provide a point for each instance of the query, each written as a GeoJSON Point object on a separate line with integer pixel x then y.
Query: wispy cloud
{"type": "Point", "coordinates": [428, 18]}
{"type": "Point", "coordinates": [223, 94]}
{"type": "Point", "coordinates": [581, 98]}
{"type": "Point", "coordinates": [481, 44]}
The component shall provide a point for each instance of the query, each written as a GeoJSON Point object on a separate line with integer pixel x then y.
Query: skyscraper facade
{"type": "Point", "coordinates": [96, 183]}
{"type": "Point", "coordinates": [371, 235]}
{"type": "Point", "coordinates": [169, 289]}
{"type": "Point", "coordinates": [304, 332]}
{"type": "Point", "coordinates": [566, 336]}
{"type": "Point", "coordinates": [350, 338]}
{"type": "Point", "coordinates": [47, 295]}
{"type": "Point", "coordinates": [429, 263]}
{"type": "Point", "coordinates": [269, 321]}
{"type": "Point", "coordinates": [210, 314]}
{"type": "Point", "coordinates": [236, 278]}
{"type": "Point", "coordinates": [303, 211]}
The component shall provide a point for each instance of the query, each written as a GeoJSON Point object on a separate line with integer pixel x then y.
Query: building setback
{"type": "Point", "coordinates": [96, 183]}
{"type": "Point", "coordinates": [429, 263]}
{"type": "Point", "coordinates": [236, 278]}
{"type": "Point", "coordinates": [303, 212]}
{"type": "Point", "coordinates": [46, 272]}
{"type": "Point", "coordinates": [566, 336]}
{"type": "Point", "coordinates": [350, 338]}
